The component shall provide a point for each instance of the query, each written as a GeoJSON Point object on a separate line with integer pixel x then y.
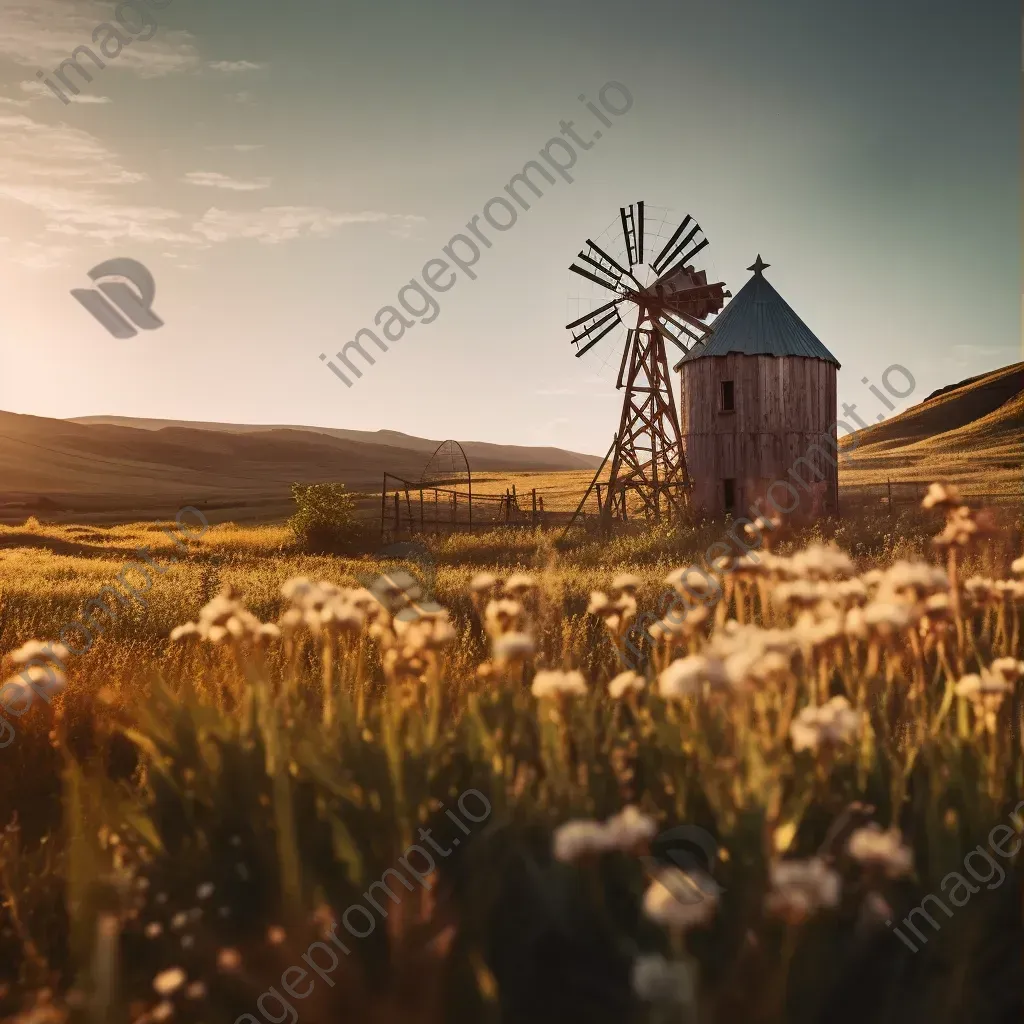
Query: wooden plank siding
{"type": "Point", "coordinates": [784, 406]}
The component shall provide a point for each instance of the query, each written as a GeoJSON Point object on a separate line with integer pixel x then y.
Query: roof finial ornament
{"type": "Point", "coordinates": [759, 266]}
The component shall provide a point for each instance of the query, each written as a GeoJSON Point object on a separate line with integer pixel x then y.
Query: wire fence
{"type": "Point", "coordinates": [893, 495]}
{"type": "Point", "coordinates": [408, 508]}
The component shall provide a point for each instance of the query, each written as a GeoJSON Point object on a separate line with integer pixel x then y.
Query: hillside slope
{"type": "Point", "coordinates": [110, 470]}
{"type": "Point", "coordinates": [972, 432]}
{"type": "Point", "coordinates": [484, 455]}
{"type": "Point", "coordinates": [948, 410]}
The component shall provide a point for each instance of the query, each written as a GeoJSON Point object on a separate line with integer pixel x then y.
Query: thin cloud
{"type": "Point", "coordinates": [274, 224]}
{"type": "Point", "coordinates": [239, 147]}
{"type": "Point", "coordinates": [81, 191]}
{"type": "Point", "coordinates": [43, 33]}
{"type": "Point", "coordinates": [214, 179]}
{"type": "Point", "coordinates": [38, 89]}
{"type": "Point", "coordinates": [234, 66]}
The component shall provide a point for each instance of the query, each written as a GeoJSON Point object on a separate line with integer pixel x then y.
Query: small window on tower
{"type": "Point", "coordinates": [728, 396]}
{"type": "Point", "coordinates": [730, 494]}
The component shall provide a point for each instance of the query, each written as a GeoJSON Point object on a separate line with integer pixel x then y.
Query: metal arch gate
{"type": "Point", "coordinates": [408, 507]}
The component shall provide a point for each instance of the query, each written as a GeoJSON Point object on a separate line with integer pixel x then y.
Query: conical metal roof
{"type": "Point", "coordinates": [759, 321]}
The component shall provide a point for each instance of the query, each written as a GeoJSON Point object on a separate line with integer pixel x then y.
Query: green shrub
{"type": "Point", "coordinates": [325, 519]}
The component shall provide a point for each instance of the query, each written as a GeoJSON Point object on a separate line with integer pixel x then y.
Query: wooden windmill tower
{"type": "Point", "coordinates": [665, 299]}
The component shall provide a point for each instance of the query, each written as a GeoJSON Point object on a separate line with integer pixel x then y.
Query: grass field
{"type": "Point", "coordinates": [970, 433]}
{"type": "Point", "coordinates": [189, 819]}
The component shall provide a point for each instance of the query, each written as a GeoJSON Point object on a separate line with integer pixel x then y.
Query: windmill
{"type": "Point", "coordinates": [657, 297]}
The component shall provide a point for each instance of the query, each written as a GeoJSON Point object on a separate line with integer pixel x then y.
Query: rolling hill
{"type": "Point", "coordinates": [481, 454]}
{"type": "Point", "coordinates": [106, 468]}
{"type": "Point", "coordinates": [971, 432]}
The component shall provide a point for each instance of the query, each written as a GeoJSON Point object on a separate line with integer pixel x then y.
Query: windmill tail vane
{"type": "Point", "coordinates": [653, 294]}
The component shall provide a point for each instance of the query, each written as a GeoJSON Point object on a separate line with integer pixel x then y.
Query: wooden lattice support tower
{"type": "Point", "coordinates": [649, 460]}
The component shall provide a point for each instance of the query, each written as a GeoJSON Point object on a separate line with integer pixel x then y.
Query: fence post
{"type": "Point", "coordinates": [398, 515]}
{"type": "Point", "coordinates": [888, 484]}
{"type": "Point", "coordinates": [533, 507]}
{"type": "Point", "coordinates": [383, 505]}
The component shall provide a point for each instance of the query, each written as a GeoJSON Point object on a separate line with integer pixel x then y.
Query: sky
{"type": "Point", "coordinates": [283, 170]}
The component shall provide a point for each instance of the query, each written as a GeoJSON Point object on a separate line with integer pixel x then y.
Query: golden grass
{"type": "Point", "coordinates": [352, 742]}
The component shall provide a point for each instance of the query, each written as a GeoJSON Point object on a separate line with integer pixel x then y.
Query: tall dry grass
{"type": "Point", "coordinates": [843, 718]}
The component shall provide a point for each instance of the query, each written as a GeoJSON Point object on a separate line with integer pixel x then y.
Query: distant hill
{"type": "Point", "coordinates": [113, 467]}
{"type": "Point", "coordinates": [484, 455]}
{"type": "Point", "coordinates": [972, 431]}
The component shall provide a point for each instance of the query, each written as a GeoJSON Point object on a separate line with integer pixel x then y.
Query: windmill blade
{"type": "Point", "coordinates": [602, 270]}
{"type": "Point", "coordinates": [676, 244]}
{"type": "Point", "coordinates": [599, 326]}
{"type": "Point", "coordinates": [592, 313]}
{"type": "Point", "coordinates": [684, 260]}
{"type": "Point", "coordinates": [661, 258]}
{"type": "Point", "coordinates": [633, 232]}
{"type": "Point", "coordinates": [691, 328]}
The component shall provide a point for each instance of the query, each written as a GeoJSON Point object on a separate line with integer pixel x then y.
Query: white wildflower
{"type": "Point", "coordinates": [512, 648]}
{"type": "Point", "coordinates": [822, 562]}
{"type": "Point", "coordinates": [519, 584]}
{"type": "Point", "coordinates": [629, 828]}
{"type": "Point", "coordinates": [881, 849]}
{"type": "Point", "coordinates": [169, 981]}
{"type": "Point", "coordinates": [35, 649]}
{"type": "Point", "coordinates": [623, 831]}
{"type": "Point", "coordinates": [576, 839]}
{"type": "Point", "coordinates": [685, 676]}
{"type": "Point", "coordinates": [800, 888]}
{"type": "Point", "coordinates": [554, 682]}
{"type": "Point", "coordinates": [1008, 669]}
{"type": "Point", "coordinates": [979, 687]}
{"type": "Point", "coordinates": [887, 618]}
{"type": "Point", "coordinates": [483, 582]}
{"type": "Point", "coordinates": [941, 496]}
{"type": "Point", "coordinates": [831, 724]}
{"type": "Point", "coordinates": [625, 682]}
{"type": "Point", "coordinates": [681, 899]}
{"type": "Point", "coordinates": [657, 980]}
{"type": "Point", "coordinates": [626, 582]}
{"type": "Point", "coordinates": [503, 616]}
